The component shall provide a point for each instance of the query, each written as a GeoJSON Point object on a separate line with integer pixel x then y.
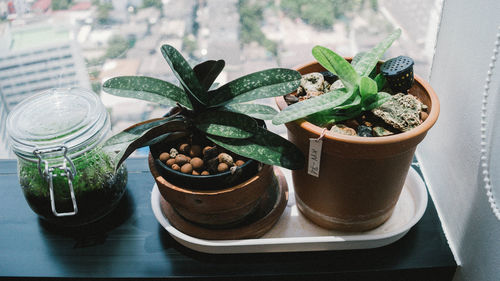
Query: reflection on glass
{"type": "Point", "coordinates": [65, 43]}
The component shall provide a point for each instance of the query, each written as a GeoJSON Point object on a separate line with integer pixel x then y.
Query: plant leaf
{"type": "Point", "coordinates": [322, 118]}
{"type": "Point", "coordinates": [328, 117]}
{"type": "Point", "coordinates": [380, 98]}
{"type": "Point", "coordinates": [367, 87]}
{"type": "Point", "coordinates": [207, 72]}
{"type": "Point", "coordinates": [357, 58]}
{"type": "Point", "coordinates": [338, 65]}
{"type": "Point", "coordinates": [380, 79]}
{"type": "Point", "coordinates": [266, 147]}
{"type": "Point", "coordinates": [370, 59]}
{"type": "Point", "coordinates": [355, 100]}
{"type": "Point", "coordinates": [263, 84]}
{"type": "Point", "coordinates": [214, 86]}
{"type": "Point", "coordinates": [124, 143]}
{"type": "Point", "coordinates": [258, 111]}
{"type": "Point", "coordinates": [347, 116]}
{"type": "Point", "coordinates": [183, 71]}
{"type": "Point", "coordinates": [304, 108]}
{"type": "Point", "coordinates": [166, 137]}
{"type": "Point", "coordinates": [226, 124]}
{"type": "Point", "coordinates": [148, 89]}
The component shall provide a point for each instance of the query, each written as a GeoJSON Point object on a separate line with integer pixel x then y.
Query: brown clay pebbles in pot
{"type": "Point", "coordinates": [216, 207]}
{"type": "Point", "coordinates": [219, 192]}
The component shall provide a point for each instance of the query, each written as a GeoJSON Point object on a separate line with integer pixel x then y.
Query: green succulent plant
{"type": "Point", "coordinates": [219, 113]}
{"type": "Point", "coordinates": [360, 93]}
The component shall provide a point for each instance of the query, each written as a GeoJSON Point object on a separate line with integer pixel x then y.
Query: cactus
{"type": "Point", "coordinates": [219, 114]}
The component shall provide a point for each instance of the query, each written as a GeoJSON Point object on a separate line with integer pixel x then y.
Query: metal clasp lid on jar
{"type": "Point", "coordinates": [48, 174]}
{"type": "Point", "coordinates": [74, 122]}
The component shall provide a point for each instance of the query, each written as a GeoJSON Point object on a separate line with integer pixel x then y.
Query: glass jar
{"type": "Point", "coordinates": [66, 176]}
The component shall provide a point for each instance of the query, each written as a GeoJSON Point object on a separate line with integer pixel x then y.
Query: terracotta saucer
{"type": "Point", "coordinates": [260, 221]}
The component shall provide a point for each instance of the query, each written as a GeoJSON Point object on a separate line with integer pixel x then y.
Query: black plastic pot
{"type": "Point", "coordinates": [210, 182]}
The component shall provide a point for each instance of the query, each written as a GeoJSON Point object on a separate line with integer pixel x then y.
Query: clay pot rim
{"type": "Point", "coordinates": [176, 188]}
{"type": "Point", "coordinates": [419, 130]}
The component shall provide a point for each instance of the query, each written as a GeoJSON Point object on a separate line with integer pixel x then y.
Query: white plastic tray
{"type": "Point", "coordinates": [294, 233]}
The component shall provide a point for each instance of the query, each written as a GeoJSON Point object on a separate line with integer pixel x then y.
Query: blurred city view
{"type": "Point", "coordinates": [75, 43]}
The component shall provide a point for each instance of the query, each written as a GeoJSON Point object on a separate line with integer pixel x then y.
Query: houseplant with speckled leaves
{"type": "Point", "coordinates": [220, 116]}
{"type": "Point", "coordinates": [357, 180]}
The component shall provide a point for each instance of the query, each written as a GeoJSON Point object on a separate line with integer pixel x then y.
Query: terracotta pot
{"type": "Point", "coordinates": [360, 178]}
{"type": "Point", "coordinates": [215, 208]}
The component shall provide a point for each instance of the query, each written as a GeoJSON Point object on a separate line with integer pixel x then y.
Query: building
{"type": "Point", "coordinates": [37, 57]}
{"type": "Point", "coordinates": [34, 58]}
{"type": "Point", "coordinates": [4, 146]}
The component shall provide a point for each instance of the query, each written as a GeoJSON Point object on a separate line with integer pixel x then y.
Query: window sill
{"type": "Point", "coordinates": [131, 243]}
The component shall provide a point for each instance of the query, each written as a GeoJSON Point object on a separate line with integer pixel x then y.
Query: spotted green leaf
{"type": "Point", "coordinates": [357, 58]}
{"type": "Point", "coordinates": [347, 110]}
{"type": "Point", "coordinates": [125, 142]}
{"type": "Point", "coordinates": [226, 124]}
{"type": "Point", "coordinates": [148, 89]}
{"type": "Point", "coordinates": [263, 84]}
{"type": "Point", "coordinates": [380, 80]}
{"type": "Point", "coordinates": [168, 137]}
{"type": "Point", "coordinates": [266, 147]}
{"type": "Point", "coordinates": [348, 115]}
{"type": "Point", "coordinates": [327, 117]}
{"type": "Point", "coordinates": [257, 111]}
{"type": "Point", "coordinates": [183, 71]}
{"type": "Point", "coordinates": [304, 108]}
{"type": "Point", "coordinates": [369, 60]}
{"type": "Point", "coordinates": [367, 87]}
{"type": "Point", "coordinates": [322, 118]}
{"type": "Point", "coordinates": [379, 99]}
{"type": "Point", "coordinates": [355, 100]}
{"type": "Point", "coordinates": [338, 65]}
{"type": "Point", "coordinates": [207, 72]}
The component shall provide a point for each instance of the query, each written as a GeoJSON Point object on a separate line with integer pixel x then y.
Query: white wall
{"type": "Point", "coordinates": [450, 153]}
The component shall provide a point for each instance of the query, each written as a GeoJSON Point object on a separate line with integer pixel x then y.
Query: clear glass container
{"type": "Point", "coordinates": [66, 176]}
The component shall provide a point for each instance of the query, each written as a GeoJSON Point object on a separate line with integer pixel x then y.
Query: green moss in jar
{"type": "Point", "coordinates": [96, 185]}
{"type": "Point", "coordinates": [65, 126]}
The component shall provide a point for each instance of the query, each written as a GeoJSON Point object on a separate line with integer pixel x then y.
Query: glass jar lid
{"type": "Point", "coordinates": [74, 118]}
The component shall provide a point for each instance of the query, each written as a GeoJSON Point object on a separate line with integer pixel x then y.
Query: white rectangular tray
{"type": "Point", "coordinates": [293, 232]}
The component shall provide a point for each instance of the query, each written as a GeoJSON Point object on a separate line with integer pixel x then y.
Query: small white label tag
{"type": "Point", "coordinates": [314, 156]}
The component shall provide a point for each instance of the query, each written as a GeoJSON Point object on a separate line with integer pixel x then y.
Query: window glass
{"type": "Point", "coordinates": [68, 43]}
